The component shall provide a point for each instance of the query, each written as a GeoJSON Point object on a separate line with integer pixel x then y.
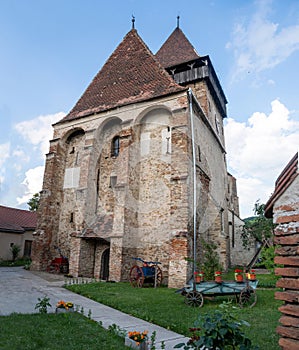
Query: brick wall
{"type": "Point", "coordinates": [286, 215]}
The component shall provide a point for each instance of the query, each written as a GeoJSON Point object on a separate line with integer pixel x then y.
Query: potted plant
{"type": "Point", "coordinates": [251, 276]}
{"type": "Point", "coordinates": [137, 340]}
{"type": "Point", "coordinates": [63, 306]}
{"type": "Point", "coordinates": [198, 276]}
{"type": "Point", "coordinates": [238, 275]}
{"type": "Point", "coordinates": [218, 276]}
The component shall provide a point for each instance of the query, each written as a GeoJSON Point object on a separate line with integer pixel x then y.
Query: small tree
{"type": "Point", "coordinates": [33, 203]}
{"type": "Point", "coordinates": [15, 250]}
{"type": "Point", "coordinates": [209, 261]}
{"type": "Point", "coordinates": [257, 227]}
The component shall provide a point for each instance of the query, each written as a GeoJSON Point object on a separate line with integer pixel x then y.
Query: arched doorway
{"type": "Point", "coordinates": [105, 265]}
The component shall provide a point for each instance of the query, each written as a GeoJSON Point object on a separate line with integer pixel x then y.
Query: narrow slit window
{"type": "Point", "coordinates": [115, 146]}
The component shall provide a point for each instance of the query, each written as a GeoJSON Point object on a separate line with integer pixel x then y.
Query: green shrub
{"type": "Point", "coordinates": [218, 329]}
{"type": "Point", "coordinates": [15, 250]}
{"type": "Point", "coordinates": [210, 261]}
{"type": "Point", "coordinates": [267, 258]}
{"type": "Point", "coordinates": [43, 304]}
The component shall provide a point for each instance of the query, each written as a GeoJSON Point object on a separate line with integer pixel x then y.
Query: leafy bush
{"type": "Point", "coordinates": [218, 329]}
{"type": "Point", "coordinates": [267, 258]}
{"type": "Point", "coordinates": [15, 250]}
{"type": "Point", "coordinates": [210, 260]}
{"type": "Point", "coordinates": [43, 304]}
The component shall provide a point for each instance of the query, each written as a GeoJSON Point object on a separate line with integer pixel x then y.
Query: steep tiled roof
{"type": "Point", "coordinates": [131, 74]}
{"type": "Point", "coordinates": [16, 220]}
{"type": "Point", "coordinates": [176, 49]}
{"type": "Point", "coordinates": [287, 176]}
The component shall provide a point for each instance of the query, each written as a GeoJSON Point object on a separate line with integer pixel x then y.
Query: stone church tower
{"type": "Point", "coordinates": [119, 175]}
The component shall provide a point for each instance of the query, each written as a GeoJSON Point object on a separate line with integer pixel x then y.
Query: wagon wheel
{"type": "Point", "coordinates": [194, 298]}
{"type": "Point", "coordinates": [136, 276]}
{"type": "Point", "coordinates": [247, 297]}
{"type": "Point", "coordinates": [159, 276]}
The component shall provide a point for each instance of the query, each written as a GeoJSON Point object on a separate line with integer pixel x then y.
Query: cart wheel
{"type": "Point", "coordinates": [136, 276]}
{"type": "Point", "coordinates": [194, 298]}
{"type": "Point", "coordinates": [248, 297]}
{"type": "Point", "coordinates": [159, 276]}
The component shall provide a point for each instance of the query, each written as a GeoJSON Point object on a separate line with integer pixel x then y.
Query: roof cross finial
{"type": "Point", "coordinates": [178, 21]}
{"type": "Point", "coordinates": [133, 22]}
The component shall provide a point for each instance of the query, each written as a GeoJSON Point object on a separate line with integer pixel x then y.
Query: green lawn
{"type": "Point", "coordinates": [161, 306]}
{"type": "Point", "coordinates": [55, 332]}
{"type": "Point", "coordinates": [166, 308]}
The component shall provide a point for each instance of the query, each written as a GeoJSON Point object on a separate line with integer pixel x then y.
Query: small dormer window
{"type": "Point", "coordinates": [115, 147]}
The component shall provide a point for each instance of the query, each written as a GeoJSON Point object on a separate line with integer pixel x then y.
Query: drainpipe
{"type": "Point", "coordinates": [190, 95]}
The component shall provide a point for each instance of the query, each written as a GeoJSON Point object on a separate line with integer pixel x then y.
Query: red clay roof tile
{"type": "Point", "coordinates": [131, 74]}
{"type": "Point", "coordinates": [176, 49]}
{"type": "Point", "coordinates": [16, 220]}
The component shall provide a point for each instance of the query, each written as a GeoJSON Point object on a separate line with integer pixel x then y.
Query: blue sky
{"type": "Point", "coordinates": [51, 50]}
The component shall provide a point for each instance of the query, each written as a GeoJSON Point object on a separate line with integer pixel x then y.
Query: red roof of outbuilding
{"type": "Point", "coordinates": [16, 220]}
{"type": "Point", "coordinates": [131, 74]}
{"type": "Point", "coordinates": [176, 49]}
{"type": "Point", "coordinates": [284, 180]}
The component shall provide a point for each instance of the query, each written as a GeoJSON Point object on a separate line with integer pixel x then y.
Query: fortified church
{"type": "Point", "coordinates": [137, 163]}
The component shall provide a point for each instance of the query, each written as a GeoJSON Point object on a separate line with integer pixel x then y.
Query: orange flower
{"type": "Point", "coordinates": [138, 337]}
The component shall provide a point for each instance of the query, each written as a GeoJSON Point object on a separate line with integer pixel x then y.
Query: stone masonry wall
{"type": "Point", "coordinates": [286, 216]}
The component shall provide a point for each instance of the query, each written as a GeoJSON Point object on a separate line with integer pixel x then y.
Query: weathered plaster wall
{"type": "Point", "coordinates": [8, 238]}
{"type": "Point", "coordinates": [138, 203]}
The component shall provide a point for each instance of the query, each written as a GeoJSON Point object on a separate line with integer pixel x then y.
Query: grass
{"type": "Point", "coordinates": [161, 306]}
{"type": "Point", "coordinates": [166, 308]}
{"type": "Point", "coordinates": [51, 332]}
{"type": "Point", "coordinates": [17, 262]}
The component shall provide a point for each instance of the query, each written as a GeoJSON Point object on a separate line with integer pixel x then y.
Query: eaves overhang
{"type": "Point", "coordinates": [200, 69]}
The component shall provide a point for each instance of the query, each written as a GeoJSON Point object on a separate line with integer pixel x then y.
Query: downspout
{"type": "Point", "coordinates": [190, 95]}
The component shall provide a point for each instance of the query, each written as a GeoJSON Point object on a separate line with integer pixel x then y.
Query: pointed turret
{"type": "Point", "coordinates": [177, 49]}
{"type": "Point", "coordinates": [131, 74]}
{"type": "Point", "coordinates": [182, 62]}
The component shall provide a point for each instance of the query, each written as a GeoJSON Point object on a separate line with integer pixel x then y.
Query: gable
{"type": "Point", "coordinates": [131, 74]}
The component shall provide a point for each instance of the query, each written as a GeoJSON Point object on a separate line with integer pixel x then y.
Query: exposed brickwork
{"type": "Point", "coordinates": [119, 175]}
{"type": "Point", "coordinates": [283, 205]}
{"type": "Point", "coordinates": [289, 321]}
{"type": "Point", "coordinates": [288, 344]}
{"type": "Point", "coordinates": [287, 219]}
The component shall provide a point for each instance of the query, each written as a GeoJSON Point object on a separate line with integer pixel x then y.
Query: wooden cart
{"type": "Point", "coordinates": [149, 273]}
{"type": "Point", "coordinates": [194, 293]}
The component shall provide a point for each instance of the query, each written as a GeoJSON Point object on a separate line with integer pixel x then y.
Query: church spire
{"type": "Point", "coordinates": [178, 22]}
{"type": "Point", "coordinates": [133, 22]}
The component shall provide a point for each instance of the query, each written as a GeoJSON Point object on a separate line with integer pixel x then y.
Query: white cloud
{"type": "Point", "coordinates": [261, 44]}
{"type": "Point", "coordinates": [20, 153]}
{"type": "Point", "coordinates": [38, 131]}
{"type": "Point", "coordinates": [4, 153]}
{"type": "Point", "coordinates": [257, 151]}
{"type": "Point", "coordinates": [33, 184]}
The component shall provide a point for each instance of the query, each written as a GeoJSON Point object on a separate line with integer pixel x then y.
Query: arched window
{"type": "Point", "coordinates": [115, 147]}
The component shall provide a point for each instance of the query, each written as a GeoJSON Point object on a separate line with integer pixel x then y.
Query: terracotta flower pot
{"type": "Point", "coordinates": [218, 279]}
{"type": "Point", "coordinates": [252, 276]}
{"type": "Point", "coordinates": [197, 279]}
{"type": "Point", "coordinates": [239, 278]}
{"type": "Point", "coordinates": [132, 344]}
